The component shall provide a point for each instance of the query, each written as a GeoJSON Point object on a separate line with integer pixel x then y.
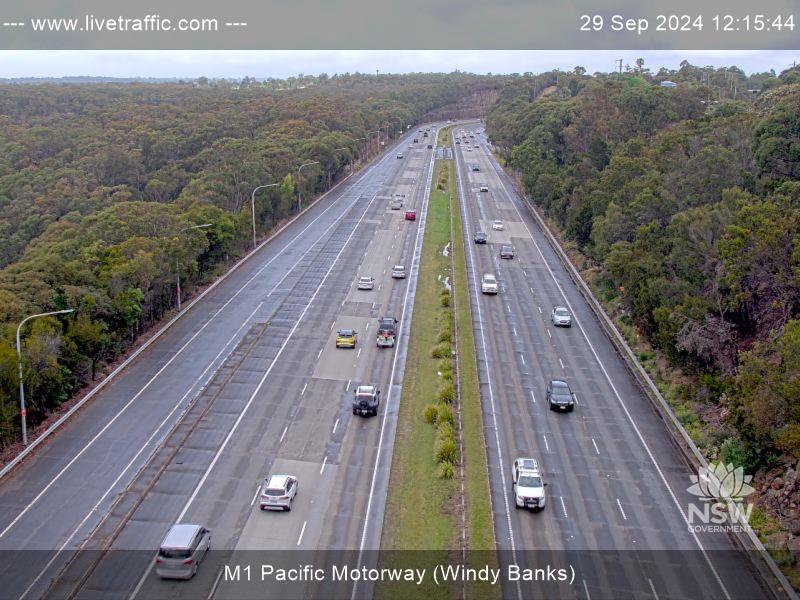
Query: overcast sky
{"type": "Point", "coordinates": [109, 63]}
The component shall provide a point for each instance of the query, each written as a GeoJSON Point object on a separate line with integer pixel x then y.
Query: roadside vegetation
{"type": "Point", "coordinates": [424, 509]}
{"type": "Point", "coordinates": [681, 207]}
{"type": "Point", "coordinates": [98, 184]}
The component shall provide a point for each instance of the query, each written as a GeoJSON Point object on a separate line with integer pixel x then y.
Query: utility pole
{"type": "Point", "coordinates": [620, 66]}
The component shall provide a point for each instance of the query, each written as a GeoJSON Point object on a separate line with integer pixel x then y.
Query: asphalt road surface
{"type": "Point", "coordinates": [246, 384]}
{"type": "Point", "coordinates": [617, 500]}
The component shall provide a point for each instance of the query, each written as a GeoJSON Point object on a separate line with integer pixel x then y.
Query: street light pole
{"type": "Point", "coordinates": [178, 265]}
{"type": "Point", "coordinates": [253, 207]}
{"type": "Point", "coordinates": [22, 411]}
{"type": "Point", "coordinates": [313, 162]}
{"type": "Point", "coordinates": [378, 131]}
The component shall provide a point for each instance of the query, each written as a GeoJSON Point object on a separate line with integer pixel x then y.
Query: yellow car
{"type": "Point", "coordinates": [346, 338]}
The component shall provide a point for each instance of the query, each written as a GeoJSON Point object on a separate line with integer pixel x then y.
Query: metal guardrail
{"type": "Point", "coordinates": [7, 468]}
{"type": "Point", "coordinates": [748, 540]}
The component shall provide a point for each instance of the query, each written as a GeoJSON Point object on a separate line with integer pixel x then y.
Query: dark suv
{"type": "Point", "coordinates": [559, 396]}
{"type": "Point", "coordinates": [365, 400]}
{"type": "Point", "coordinates": [480, 237]}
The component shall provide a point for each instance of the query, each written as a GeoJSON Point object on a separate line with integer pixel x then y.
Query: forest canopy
{"type": "Point", "coordinates": [100, 185]}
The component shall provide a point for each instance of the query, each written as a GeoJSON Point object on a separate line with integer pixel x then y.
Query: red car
{"type": "Point", "coordinates": [411, 215]}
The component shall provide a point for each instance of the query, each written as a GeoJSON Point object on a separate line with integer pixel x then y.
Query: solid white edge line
{"type": "Point", "coordinates": [477, 304]}
{"type": "Point", "coordinates": [420, 234]}
{"type": "Point", "coordinates": [622, 403]}
{"type": "Point", "coordinates": [266, 374]}
{"type": "Point", "coordinates": [127, 362]}
{"type": "Point", "coordinates": [136, 456]}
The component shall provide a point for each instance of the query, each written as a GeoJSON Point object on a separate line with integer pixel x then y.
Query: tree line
{"type": "Point", "coordinates": [100, 184]}
{"type": "Point", "coordinates": [685, 203]}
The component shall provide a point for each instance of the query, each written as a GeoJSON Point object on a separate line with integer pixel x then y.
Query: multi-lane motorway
{"type": "Point", "coordinates": [617, 500]}
{"type": "Point", "coordinates": [247, 383]}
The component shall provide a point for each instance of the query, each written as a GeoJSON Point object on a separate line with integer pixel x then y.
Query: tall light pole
{"type": "Point", "coordinates": [365, 144]}
{"type": "Point", "coordinates": [313, 162]}
{"type": "Point", "coordinates": [22, 411]}
{"type": "Point", "coordinates": [178, 264]}
{"type": "Point", "coordinates": [378, 131]}
{"type": "Point", "coordinates": [253, 206]}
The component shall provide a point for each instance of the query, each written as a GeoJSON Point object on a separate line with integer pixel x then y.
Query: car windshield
{"type": "Point", "coordinates": [529, 481]}
{"type": "Point", "coordinates": [489, 279]}
{"type": "Point", "coordinates": [399, 268]}
{"type": "Point", "coordinates": [498, 222]}
{"type": "Point", "coordinates": [506, 249]}
{"type": "Point", "coordinates": [346, 332]}
{"type": "Point", "coordinates": [560, 389]}
{"type": "Point", "coordinates": [366, 279]}
{"type": "Point", "coordinates": [562, 312]}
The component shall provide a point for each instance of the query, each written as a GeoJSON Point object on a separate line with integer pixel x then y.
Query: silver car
{"type": "Point", "coordinates": [183, 548]}
{"type": "Point", "coordinates": [278, 491]}
{"type": "Point", "coordinates": [561, 317]}
{"type": "Point", "coordinates": [366, 283]}
{"type": "Point", "coordinates": [399, 272]}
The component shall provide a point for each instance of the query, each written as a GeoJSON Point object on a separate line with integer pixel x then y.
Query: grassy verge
{"type": "Point", "coordinates": [423, 509]}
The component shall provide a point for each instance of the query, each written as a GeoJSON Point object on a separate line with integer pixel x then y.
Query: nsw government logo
{"type": "Point", "coordinates": [720, 506]}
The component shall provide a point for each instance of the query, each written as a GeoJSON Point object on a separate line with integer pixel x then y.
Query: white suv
{"type": "Point", "coordinates": [527, 484]}
{"type": "Point", "coordinates": [278, 491]}
{"type": "Point", "coordinates": [488, 284]}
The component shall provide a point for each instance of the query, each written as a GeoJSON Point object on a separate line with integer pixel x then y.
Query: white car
{"type": "Point", "coordinates": [398, 272]}
{"type": "Point", "coordinates": [278, 491]}
{"type": "Point", "coordinates": [497, 225]}
{"type": "Point", "coordinates": [561, 317]}
{"type": "Point", "coordinates": [527, 484]}
{"type": "Point", "coordinates": [399, 155]}
{"type": "Point", "coordinates": [484, 187]}
{"type": "Point", "coordinates": [489, 284]}
{"type": "Point", "coordinates": [366, 283]}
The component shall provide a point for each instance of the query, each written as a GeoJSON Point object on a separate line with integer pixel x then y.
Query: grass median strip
{"type": "Point", "coordinates": [423, 509]}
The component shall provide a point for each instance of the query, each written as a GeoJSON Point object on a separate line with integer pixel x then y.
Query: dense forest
{"type": "Point", "coordinates": [100, 185]}
{"type": "Point", "coordinates": [684, 205]}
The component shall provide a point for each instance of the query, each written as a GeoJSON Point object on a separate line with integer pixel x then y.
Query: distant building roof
{"type": "Point", "coordinates": [667, 83]}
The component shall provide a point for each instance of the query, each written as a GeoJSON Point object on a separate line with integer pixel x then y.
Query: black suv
{"type": "Point", "coordinates": [480, 238]}
{"type": "Point", "coordinates": [560, 396]}
{"type": "Point", "coordinates": [366, 400]}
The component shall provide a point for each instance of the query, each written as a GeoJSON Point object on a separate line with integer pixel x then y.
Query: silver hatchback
{"type": "Point", "coordinates": [183, 548]}
{"type": "Point", "coordinates": [561, 317]}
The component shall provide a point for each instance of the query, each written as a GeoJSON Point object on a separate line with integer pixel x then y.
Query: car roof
{"type": "Point", "coordinates": [528, 464]}
{"type": "Point", "coordinates": [399, 267]}
{"type": "Point", "coordinates": [559, 383]}
{"type": "Point", "coordinates": [180, 535]}
{"type": "Point", "coordinates": [277, 481]}
{"type": "Point", "coordinates": [365, 389]}
{"type": "Point", "coordinates": [488, 275]}
{"type": "Point", "coordinates": [365, 277]}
